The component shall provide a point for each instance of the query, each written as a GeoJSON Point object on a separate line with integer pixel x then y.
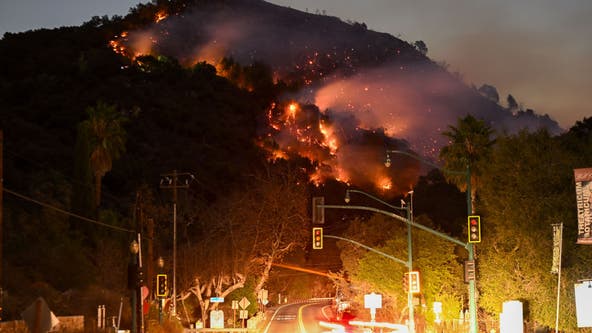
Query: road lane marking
{"type": "Point", "coordinates": [300, 321]}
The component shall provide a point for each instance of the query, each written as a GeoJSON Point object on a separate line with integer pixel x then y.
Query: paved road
{"type": "Point", "coordinates": [299, 317]}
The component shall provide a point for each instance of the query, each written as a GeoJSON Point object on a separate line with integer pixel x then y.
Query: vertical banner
{"type": "Point", "coordinates": [557, 237]}
{"type": "Point", "coordinates": [583, 179]}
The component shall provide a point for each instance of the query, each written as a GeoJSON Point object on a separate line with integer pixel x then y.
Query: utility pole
{"type": "Point", "coordinates": [150, 262]}
{"type": "Point", "coordinates": [1, 226]}
{"type": "Point", "coordinates": [171, 181]}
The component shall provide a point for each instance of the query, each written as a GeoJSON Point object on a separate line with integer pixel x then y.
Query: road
{"type": "Point", "coordinates": [300, 317]}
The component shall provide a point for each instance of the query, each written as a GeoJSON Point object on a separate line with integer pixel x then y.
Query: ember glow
{"type": "Point", "coordinates": [359, 96]}
{"type": "Point", "coordinates": [337, 150]}
{"type": "Point", "coordinates": [161, 15]}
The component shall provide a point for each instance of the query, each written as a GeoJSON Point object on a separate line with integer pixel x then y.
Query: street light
{"type": "Point", "coordinates": [468, 246]}
{"type": "Point", "coordinates": [409, 264]}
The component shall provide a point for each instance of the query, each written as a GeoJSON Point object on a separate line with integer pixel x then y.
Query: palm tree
{"type": "Point", "coordinates": [470, 144]}
{"type": "Point", "coordinates": [106, 135]}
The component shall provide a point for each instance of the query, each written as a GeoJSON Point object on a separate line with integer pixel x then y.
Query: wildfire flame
{"type": "Point", "coordinates": [337, 151]}
{"type": "Point", "coordinates": [161, 15]}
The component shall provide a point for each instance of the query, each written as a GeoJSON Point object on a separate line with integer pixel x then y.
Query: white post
{"type": "Point", "coordinates": [559, 228]}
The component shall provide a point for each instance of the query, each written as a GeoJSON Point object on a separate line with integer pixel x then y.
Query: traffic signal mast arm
{"type": "Point", "coordinates": [370, 249]}
{"type": "Point", "coordinates": [400, 218]}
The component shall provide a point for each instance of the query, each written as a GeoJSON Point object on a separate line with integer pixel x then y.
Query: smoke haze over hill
{"type": "Point", "coordinates": [346, 70]}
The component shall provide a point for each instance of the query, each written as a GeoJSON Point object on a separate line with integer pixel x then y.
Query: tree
{"type": "Point", "coordinates": [512, 104]}
{"type": "Point", "coordinates": [247, 231]}
{"type": "Point", "coordinates": [470, 145]}
{"type": "Point", "coordinates": [106, 135]}
{"type": "Point", "coordinates": [490, 92]}
{"type": "Point", "coordinates": [527, 185]}
{"type": "Point", "coordinates": [435, 258]}
{"type": "Point", "coordinates": [421, 47]}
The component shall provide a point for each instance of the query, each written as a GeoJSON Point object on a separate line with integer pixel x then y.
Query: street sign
{"type": "Point", "coordinates": [234, 305]}
{"type": "Point", "coordinates": [318, 213]}
{"type": "Point", "coordinates": [469, 270]}
{"type": "Point", "coordinates": [244, 303]}
{"type": "Point", "coordinates": [243, 314]}
{"type": "Point", "coordinates": [216, 319]}
{"type": "Point", "coordinates": [373, 301]}
{"type": "Point", "coordinates": [217, 299]}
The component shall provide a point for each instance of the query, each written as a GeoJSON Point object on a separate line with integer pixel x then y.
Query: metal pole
{"type": "Point", "coordinates": [472, 282]}
{"type": "Point", "coordinates": [140, 272]}
{"type": "Point", "coordinates": [1, 221]}
{"type": "Point", "coordinates": [174, 310]}
{"type": "Point", "coordinates": [409, 263]}
{"type": "Point", "coordinates": [172, 183]}
{"type": "Point", "coordinates": [410, 260]}
{"type": "Point", "coordinates": [134, 297]}
{"type": "Point", "coordinates": [470, 247]}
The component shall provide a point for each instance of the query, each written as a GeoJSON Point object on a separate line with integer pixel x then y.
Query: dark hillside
{"type": "Point", "coordinates": [214, 88]}
{"type": "Point", "coordinates": [181, 118]}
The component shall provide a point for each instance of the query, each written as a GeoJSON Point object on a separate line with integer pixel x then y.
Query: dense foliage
{"type": "Point", "coordinates": [526, 185]}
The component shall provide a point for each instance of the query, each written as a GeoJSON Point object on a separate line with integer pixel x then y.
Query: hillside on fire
{"type": "Point", "coordinates": [253, 108]}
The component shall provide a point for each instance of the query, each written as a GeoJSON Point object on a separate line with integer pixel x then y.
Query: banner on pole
{"type": "Point", "coordinates": [557, 239]}
{"type": "Point", "coordinates": [583, 179]}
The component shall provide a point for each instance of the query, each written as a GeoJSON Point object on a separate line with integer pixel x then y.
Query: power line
{"type": "Point", "coordinates": [67, 177]}
{"type": "Point", "coordinates": [86, 219]}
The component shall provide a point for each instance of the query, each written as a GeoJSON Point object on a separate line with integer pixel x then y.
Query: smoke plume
{"type": "Point", "coordinates": [363, 91]}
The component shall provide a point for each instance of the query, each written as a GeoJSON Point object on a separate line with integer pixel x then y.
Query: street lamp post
{"type": "Point", "coordinates": [409, 264]}
{"type": "Point", "coordinates": [409, 242]}
{"type": "Point", "coordinates": [468, 246]}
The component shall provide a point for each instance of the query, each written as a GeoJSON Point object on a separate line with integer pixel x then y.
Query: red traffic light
{"type": "Point", "coordinates": [317, 238]}
{"type": "Point", "coordinates": [474, 229]}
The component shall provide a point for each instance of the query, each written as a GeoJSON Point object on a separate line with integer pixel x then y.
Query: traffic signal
{"type": "Point", "coordinates": [317, 238]}
{"type": "Point", "coordinates": [406, 282]}
{"type": "Point", "coordinates": [161, 285]}
{"type": "Point", "coordinates": [414, 282]}
{"type": "Point", "coordinates": [474, 229]}
{"type": "Point", "coordinates": [411, 282]}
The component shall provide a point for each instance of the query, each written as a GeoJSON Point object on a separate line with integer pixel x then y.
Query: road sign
{"type": "Point", "coordinates": [469, 270]}
{"type": "Point", "coordinates": [217, 299]}
{"type": "Point", "coordinates": [318, 213]}
{"type": "Point", "coordinates": [243, 314]}
{"type": "Point", "coordinates": [373, 301]}
{"type": "Point", "coordinates": [244, 303]}
{"type": "Point", "coordinates": [216, 319]}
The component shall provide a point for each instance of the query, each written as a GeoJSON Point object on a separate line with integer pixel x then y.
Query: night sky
{"type": "Point", "coordinates": [537, 50]}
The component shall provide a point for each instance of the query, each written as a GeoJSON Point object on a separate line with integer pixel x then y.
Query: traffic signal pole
{"type": "Point", "coordinates": [469, 246]}
{"type": "Point", "coordinates": [409, 215]}
{"type": "Point", "coordinates": [471, 249]}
